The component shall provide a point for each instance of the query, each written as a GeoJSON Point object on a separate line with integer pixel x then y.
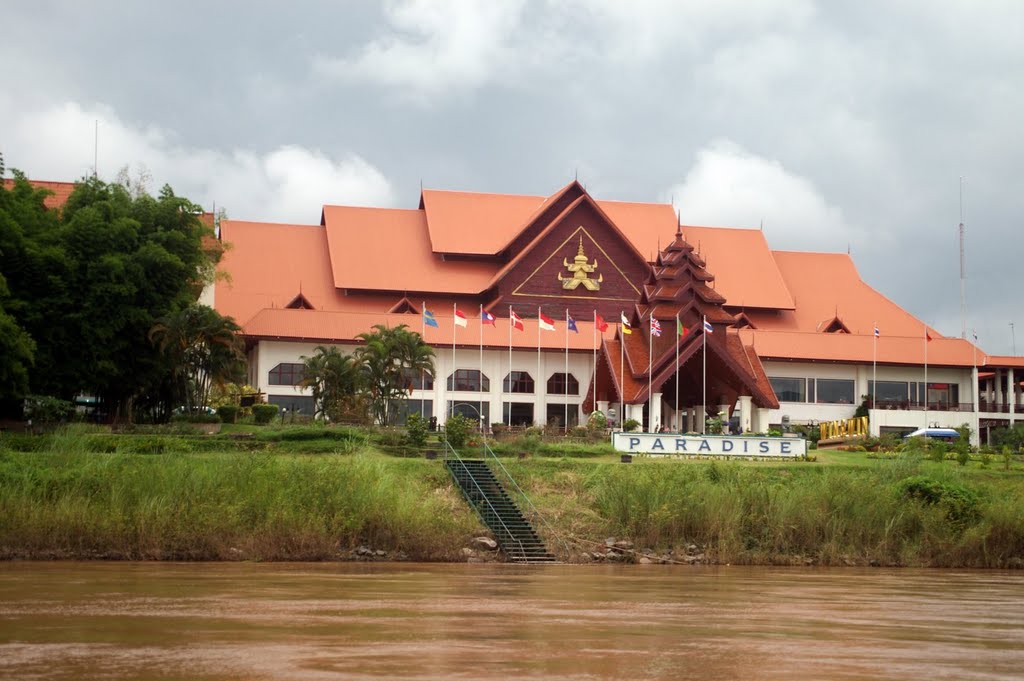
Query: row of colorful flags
{"type": "Point", "coordinates": [548, 324]}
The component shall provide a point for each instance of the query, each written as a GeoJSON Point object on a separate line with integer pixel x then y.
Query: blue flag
{"type": "Point", "coordinates": [572, 324]}
{"type": "Point", "coordinates": [428, 318]}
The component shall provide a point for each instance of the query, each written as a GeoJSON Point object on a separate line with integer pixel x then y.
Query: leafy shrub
{"type": "Point", "coordinates": [961, 503]}
{"type": "Point", "coordinates": [228, 413]}
{"type": "Point", "coordinates": [630, 425]}
{"type": "Point", "coordinates": [264, 413]}
{"type": "Point", "coordinates": [597, 421]}
{"type": "Point", "coordinates": [416, 428]}
{"type": "Point", "coordinates": [456, 430]}
{"type": "Point", "coordinates": [46, 409]}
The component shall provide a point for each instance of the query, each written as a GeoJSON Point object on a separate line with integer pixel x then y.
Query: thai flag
{"type": "Point", "coordinates": [707, 326]}
{"type": "Point", "coordinates": [877, 332]}
{"type": "Point", "coordinates": [655, 327]}
{"type": "Point", "coordinates": [486, 318]}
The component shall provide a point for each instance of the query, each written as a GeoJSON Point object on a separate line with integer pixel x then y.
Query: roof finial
{"type": "Point", "coordinates": [580, 251]}
{"type": "Point", "coordinates": [679, 225]}
{"type": "Point", "coordinates": [576, 174]}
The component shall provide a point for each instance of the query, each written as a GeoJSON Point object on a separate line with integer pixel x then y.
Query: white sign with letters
{"type": "Point", "coordinates": [668, 444]}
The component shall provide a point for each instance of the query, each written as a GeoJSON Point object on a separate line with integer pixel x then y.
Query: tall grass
{"type": "Point", "coordinates": [829, 515]}
{"type": "Point", "coordinates": [75, 503]}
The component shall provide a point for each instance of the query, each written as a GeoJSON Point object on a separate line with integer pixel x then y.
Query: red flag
{"type": "Point", "coordinates": [459, 319]}
{"type": "Point", "coordinates": [516, 320]}
{"type": "Point", "coordinates": [546, 322]}
{"type": "Point", "coordinates": [927, 336]}
{"type": "Point", "coordinates": [602, 325]}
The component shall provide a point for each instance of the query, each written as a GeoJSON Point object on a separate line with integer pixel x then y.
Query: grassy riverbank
{"type": "Point", "coordinates": [317, 496]}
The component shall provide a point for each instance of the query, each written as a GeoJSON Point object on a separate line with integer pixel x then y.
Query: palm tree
{"type": "Point", "coordinates": [204, 349]}
{"type": "Point", "coordinates": [335, 380]}
{"type": "Point", "coordinates": [389, 357]}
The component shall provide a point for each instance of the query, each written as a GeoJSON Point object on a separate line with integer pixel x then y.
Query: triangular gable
{"type": "Point", "coordinates": [834, 325]}
{"type": "Point", "coordinates": [300, 302]}
{"type": "Point", "coordinates": [576, 259]}
{"type": "Point", "coordinates": [404, 306]}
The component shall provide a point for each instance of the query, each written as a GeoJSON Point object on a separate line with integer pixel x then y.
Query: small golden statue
{"type": "Point", "coordinates": [581, 269]}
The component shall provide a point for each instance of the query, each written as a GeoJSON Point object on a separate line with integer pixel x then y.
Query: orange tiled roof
{"type": "Point", "coordinates": [61, 191]}
{"type": "Point", "coordinates": [389, 249]}
{"type": "Point", "coordinates": [860, 348]}
{"type": "Point", "coordinates": [745, 272]}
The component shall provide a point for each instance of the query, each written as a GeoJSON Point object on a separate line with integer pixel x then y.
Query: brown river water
{"type": "Point", "coordinates": [71, 620]}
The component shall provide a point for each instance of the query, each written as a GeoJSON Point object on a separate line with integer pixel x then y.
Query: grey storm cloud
{"type": "Point", "coordinates": [834, 126]}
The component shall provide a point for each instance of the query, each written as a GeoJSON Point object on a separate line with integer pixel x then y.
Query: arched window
{"type": "Point", "coordinates": [286, 373]}
{"type": "Point", "coordinates": [417, 380]}
{"type": "Point", "coordinates": [563, 384]}
{"type": "Point", "coordinates": [518, 382]}
{"type": "Point", "coordinates": [468, 380]}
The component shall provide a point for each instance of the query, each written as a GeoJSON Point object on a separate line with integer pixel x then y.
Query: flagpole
{"type": "Point", "coordinates": [926, 375]}
{"type": "Point", "coordinates": [678, 428]}
{"type": "Point", "coordinates": [540, 379]}
{"type": "Point", "coordinates": [622, 373]}
{"type": "Point", "coordinates": [874, 363]}
{"type": "Point", "coordinates": [704, 380]}
{"type": "Point", "coordinates": [650, 359]}
{"type": "Point", "coordinates": [509, 397]}
{"type": "Point", "coordinates": [566, 405]}
{"type": "Point", "coordinates": [593, 377]}
{"type": "Point", "coordinates": [480, 378]}
{"type": "Point", "coordinates": [455, 309]}
{"type": "Point", "coordinates": [423, 326]}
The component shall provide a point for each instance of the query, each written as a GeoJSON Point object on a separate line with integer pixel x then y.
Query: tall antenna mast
{"type": "Point", "coordinates": [963, 268]}
{"type": "Point", "coordinates": [96, 151]}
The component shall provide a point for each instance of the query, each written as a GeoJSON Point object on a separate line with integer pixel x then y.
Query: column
{"type": "Point", "coordinates": [999, 387]}
{"type": "Point", "coordinates": [1011, 388]}
{"type": "Point", "coordinates": [723, 414]}
{"type": "Point", "coordinates": [655, 413]}
{"type": "Point", "coordinates": [746, 417]}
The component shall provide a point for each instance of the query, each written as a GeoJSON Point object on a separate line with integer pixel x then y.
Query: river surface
{"type": "Point", "coordinates": [70, 620]}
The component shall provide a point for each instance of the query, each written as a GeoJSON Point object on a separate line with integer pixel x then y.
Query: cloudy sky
{"type": "Point", "coordinates": [834, 125]}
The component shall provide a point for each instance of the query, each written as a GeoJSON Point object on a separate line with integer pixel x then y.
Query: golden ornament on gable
{"type": "Point", "coordinates": [581, 269]}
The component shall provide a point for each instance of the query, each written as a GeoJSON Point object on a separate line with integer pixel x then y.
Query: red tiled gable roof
{"type": "Point", "coordinates": [61, 191]}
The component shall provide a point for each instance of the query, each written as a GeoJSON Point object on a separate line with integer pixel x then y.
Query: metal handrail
{"type": "Point", "coordinates": [519, 489]}
{"type": "Point", "coordinates": [483, 496]}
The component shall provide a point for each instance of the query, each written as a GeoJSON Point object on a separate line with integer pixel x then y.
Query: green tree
{"type": "Point", "coordinates": [88, 282]}
{"type": "Point", "coordinates": [17, 353]}
{"type": "Point", "coordinates": [335, 380]}
{"type": "Point", "coordinates": [391, 360]}
{"type": "Point", "coordinates": [204, 350]}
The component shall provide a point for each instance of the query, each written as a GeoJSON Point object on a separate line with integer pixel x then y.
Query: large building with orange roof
{"type": "Point", "coordinates": [791, 337]}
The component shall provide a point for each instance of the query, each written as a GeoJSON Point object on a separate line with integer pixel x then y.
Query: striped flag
{"type": "Point", "coordinates": [680, 329]}
{"type": "Point", "coordinates": [460, 319]}
{"type": "Point", "coordinates": [428, 318]}
{"type": "Point", "coordinates": [486, 318]}
{"type": "Point", "coordinates": [546, 323]}
{"type": "Point", "coordinates": [707, 326]}
{"type": "Point", "coordinates": [877, 332]}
